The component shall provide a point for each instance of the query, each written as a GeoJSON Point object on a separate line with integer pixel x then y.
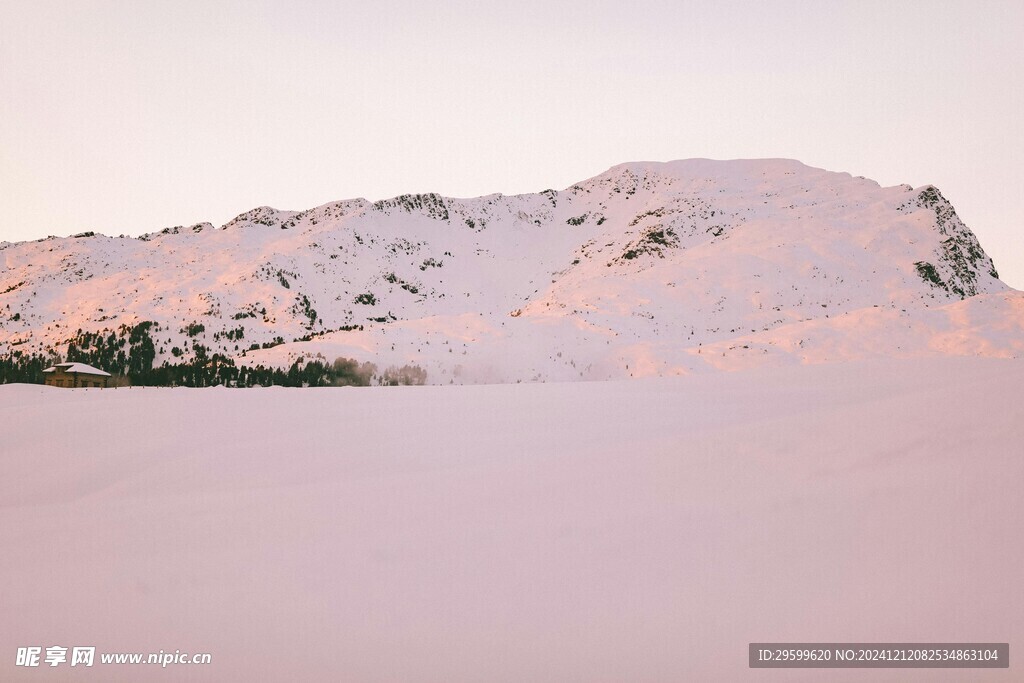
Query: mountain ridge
{"type": "Point", "coordinates": [649, 268]}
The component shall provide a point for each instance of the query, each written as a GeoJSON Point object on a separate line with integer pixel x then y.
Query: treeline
{"type": "Point", "coordinates": [128, 351]}
{"type": "Point", "coordinates": [128, 354]}
{"type": "Point", "coordinates": [219, 370]}
{"type": "Point", "coordinates": [17, 366]}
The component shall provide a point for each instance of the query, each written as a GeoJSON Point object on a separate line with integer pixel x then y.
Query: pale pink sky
{"type": "Point", "coordinates": [126, 117]}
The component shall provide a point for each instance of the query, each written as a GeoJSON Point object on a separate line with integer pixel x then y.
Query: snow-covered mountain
{"type": "Point", "coordinates": [646, 269]}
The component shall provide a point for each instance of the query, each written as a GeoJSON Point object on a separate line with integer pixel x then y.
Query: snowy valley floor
{"type": "Point", "coordinates": [641, 530]}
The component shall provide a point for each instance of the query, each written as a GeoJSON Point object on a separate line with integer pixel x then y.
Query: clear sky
{"type": "Point", "coordinates": [127, 117]}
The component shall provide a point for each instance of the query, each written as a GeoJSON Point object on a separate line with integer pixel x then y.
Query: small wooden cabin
{"type": "Point", "coordinates": [76, 375]}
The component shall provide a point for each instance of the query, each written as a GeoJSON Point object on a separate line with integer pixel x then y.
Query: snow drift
{"type": "Point", "coordinates": [643, 530]}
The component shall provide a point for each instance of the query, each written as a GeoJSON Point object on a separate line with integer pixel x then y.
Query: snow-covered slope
{"type": "Point", "coordinates": [641, 530]}
{"type": "Point", "coordinates": [646, 269]}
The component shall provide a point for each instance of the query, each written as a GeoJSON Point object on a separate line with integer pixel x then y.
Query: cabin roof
{"type": "Point", "coordinates": [81, 368]}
